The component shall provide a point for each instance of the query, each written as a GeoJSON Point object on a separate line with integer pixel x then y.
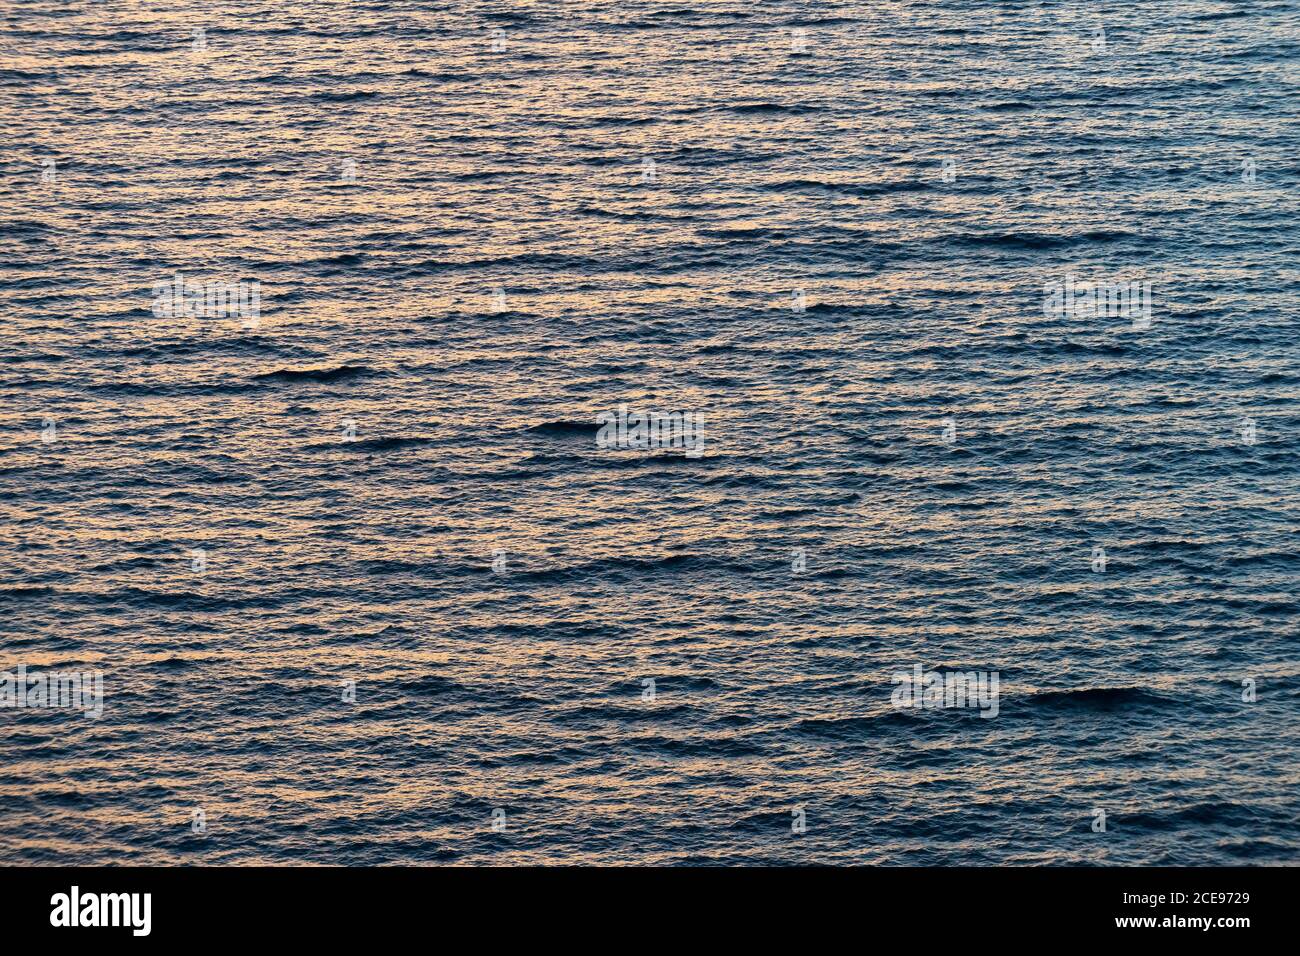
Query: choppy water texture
{"type": "Point", "coordinates": [370, 560]}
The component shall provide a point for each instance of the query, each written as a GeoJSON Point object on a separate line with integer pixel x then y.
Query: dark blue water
{"type": "Point", "coordinates": [937, 454]}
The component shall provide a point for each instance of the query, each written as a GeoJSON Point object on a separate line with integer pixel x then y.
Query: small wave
{"type": "Point", "coordinates": [387, 444]}
{"type": "Point", "coordinates": [25, 592]}
{"type": "Point", "coordinates": [442, 77]}
{"type": "Point", "coordinates": [1200, 814]}
{"type": "Point", "coordinates": [566, 427]}
{"type": "Point", "coordinates": [757, 232]}
{"type": "Point", "coordinates": [772, 108]}
{"type": "Point", "coordinates": [864, 190]}
{"type": "Point", "coordinates": [702, 747]}
{"type": "Point", "coordinates": [1034, 241]}
{"type": "Point", "coordinates": [861, 727]}
{"type": "Point", "coordinates": [1258, 849]}
{"type": "Point", "coordinates": [330, 96]}
{"type": "Point", "coordinates": [1097, 698]}
{"type": "Point", "coordinates": [173, 664]}
{"type": "Point", "coordinates": [611, 712]}
{"type": "Point", "coordinates": [430, 684]}
{"type": "Point", "coordinates": [336, 374]}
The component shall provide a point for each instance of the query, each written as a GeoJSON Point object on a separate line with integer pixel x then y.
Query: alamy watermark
{"type": "Point", "coordinates": [643, 430]}
{"type": "Point", "coordinates": [75, 908]}
{"type": "Point", "coordinates": [70, 689]}
{"type": "Point", "coordinates": [1101, 299]}
{"type": "Point", "coordinates": [936, 690]}
{"type": "Point", "coordinates": [182, 298]}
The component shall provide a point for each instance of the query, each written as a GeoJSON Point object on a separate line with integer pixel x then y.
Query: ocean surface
{"type": "Point", "coordinates": [826, 228]}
